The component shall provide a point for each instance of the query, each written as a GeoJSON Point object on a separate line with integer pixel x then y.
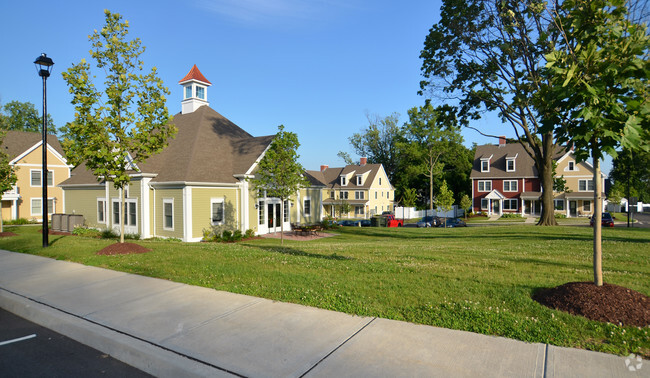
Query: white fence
{"type": "Point", "coordinates": [412, 213]}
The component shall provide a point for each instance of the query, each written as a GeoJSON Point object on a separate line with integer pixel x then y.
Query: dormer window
{"type": "Point", "coordinates": [200, 92]}
{"type": "Point", "coordinates": [359, 180]}
{"type": "Point", "coordinates": [510, 165]}
{"type": "Point", "coordinates": [485, 165]}
{"type": "Point", "coordinates": [344, 182]}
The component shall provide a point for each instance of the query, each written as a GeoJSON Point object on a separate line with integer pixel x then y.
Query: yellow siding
{"type": "Point", "coordinates": [158, 222]}
{"type": "Point", "coordinates": [85, 203]}
{"type": "Point", "coordinates": [252, 211]}
{"type": "Point", "coordinates": [315, 197]}
{"type": "Point", "coordinates": [201, 212]}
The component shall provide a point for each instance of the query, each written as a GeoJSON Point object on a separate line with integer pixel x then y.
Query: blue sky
{"type": "Point", "coordinates": [316, 66]}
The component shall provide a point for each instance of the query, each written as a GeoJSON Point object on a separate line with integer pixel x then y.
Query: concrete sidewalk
{"type": "Point", "coordinates": [176, 330]}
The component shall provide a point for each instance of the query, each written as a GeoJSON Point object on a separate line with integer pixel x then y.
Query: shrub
{"type": "Point", "coordinates": [86, 232]}
{"type": "Point", "coordinates": [560, 215]}
{"type": "Point", "coordinates": [108, 233]}
{"type": "Point", "coordinates": [511, 216]}
{"type": "Point", "coordinates": [132, 236]}
{"type": "Point", "coordinates": [249, 234]}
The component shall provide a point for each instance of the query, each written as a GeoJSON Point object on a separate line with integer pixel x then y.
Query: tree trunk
{"type": "Point", "coordinates": [597, 218]}
{"type": "Point", "coordinates": [2, 226]}
{"type": "Point", "coordinates": [282, 221]}
{"type": "Point", "coordinates": [545, 171]}
{"type": "Point", "coordinates": [431, 189]}
{"type": "Point", "coordinates": [122, 216]}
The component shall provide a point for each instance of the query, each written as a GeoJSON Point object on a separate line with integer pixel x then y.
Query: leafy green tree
{"type": "Point", "coordinates": [121, 126]}
{"type": "Point", "coordinates": [379, 143]}
{"type": "Point", "coordinates": [431, 135]}
{"type": "Point", "coordinates": [488, 55]}
{"type": "Point", "coordinates": [466, 204]}
{"type": "Point", "coordinates": [409, 197]}
{"type": "Point", "coordinates": [598, 72]}
{"type": "Point", "coordinates": [445, 199]}
{"type": "Point", "coordinates": [23, 116]}
{"type": "Point", "coordinates": [632, 169]}
{"type": "Point", "coordinates": [279, 172]}
{"type": "Point", "coordinates": [344, 207]}
{"type": "Point", "coordinates": [7, 174]}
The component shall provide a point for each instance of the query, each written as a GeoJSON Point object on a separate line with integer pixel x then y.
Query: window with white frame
{"type": "Point", "coordinates": [188, 91]}
{"type": "Point", "coordinates": [559, 204]}
{"type": "Point", "coordinates": [375, 195]}
{"type": "Point", "coordinates": [380, 181]}
{"type": "Point", "coordinates": [485, 165]}
{"type": "Point", "coordinates": [130, 216]}
{"type": "Point", "coordinates": [343, 195]}
{"type": "Point", "coordinates": [200, 92]}
{"type": "Point", "coordinates": [510, 164]}
{"type": "Point", "coordinates": [168, 213]}
{"type": "Point", "coordinates": [388, 195]}
{"type": "Point", "coordinates": [344, 181]}
{"type": "Point", "coordinates": [484, 185]}
{"type": "Point", "coordinates": [485, 203]}
{"type": "Point", "coordinates": [586, 205]}
{"type": "Point", "coordinates": [359, 180]}
{"type": "Point", "coordinates": [217, 211]}
{"type": "Point", "coordinates": [510, 204]}
{"type": "Point", "coordinates": [585, 185]}
{"type": "Point", "coordinates": [306, 207]}
{"type": "Point", "coordinates": [38, 210]}
{"type": "Point", "coordinates": [333, 194]}
{"type": "Point", "coordinates": [572, 166]}
{"type": "Point", "coordinates": [286, 210]}
{"type": "Point", "coordinates": [101, 210]}
{"type": "Point", "coordinates": [358, 210]}
{"type": "Point", "coordinates": [260, 212]}
{"type": "Point", "coordinates": [510, 185]}
{"type": "Point", "coordinates": [359, 195]}
{"type": "Point", "coordinates": [35, 176]}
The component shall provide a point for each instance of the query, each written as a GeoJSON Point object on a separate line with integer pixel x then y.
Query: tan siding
{"type": "Point", "coordinates": [177, 196]}
{"type": "Point", "coordinates": [201, 211]}
{"type": "Point", "coordinates": [85, 203]}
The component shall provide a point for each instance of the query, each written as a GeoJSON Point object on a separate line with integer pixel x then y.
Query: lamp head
{"type": "Point", "coordinates": [43, 65]}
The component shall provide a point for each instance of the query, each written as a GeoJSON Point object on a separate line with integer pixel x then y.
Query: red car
{"type": "Point", "coordinates": [607, 220]}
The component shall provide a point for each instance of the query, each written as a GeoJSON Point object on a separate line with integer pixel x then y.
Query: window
{"type": "Point", "coordinates": [585, 185]}
{"type": "Point", "coordinates": [217, 211]}
{"type": "Point", "coordinates": [380, 181]}
{"type": "Point", "coordinates": [388, 195]}
{"type": "Point", "coordinates": [572, 166]}
{"type": "Point", "coordinates": [200, 92]}
{"type": "Point", "coordinates": [286, 210]}
{"type": "Point", "coordinates": [332, 194]}
{"type": "Point", "coordinates": [260, 212]}
{"type": "Point", "coordinates": [188, 91]}
{"type": "Point", "coordinates": [168, 213]}
{"type": "Point", "coordinates": [485, 186]}
{"type": "Point", "coordinates": [358, 195]}
{"type": "Point", "coordinates": [485, 203]}
{"type": "Point", "coordinates": [343, 195]}
{"type": "Point", "coordinates": [485, 165]}
{"type": "Point", "coordinates": [101, 209]}
{"type": "Point", "coordinates": [343, 181]}
{"type": "Point", "coordinates": [131, 216]}
{"type": "Point", "coordinates": [586, 205]}
{"type": "Point", "coordinates": [306, 207]}
{"type": "Point", "coordinates": [510, 165]}
{"type": "Point", "coordinates": [116, 212]}
{"type": "Point", "coordinates": [559, 204]}
{"type": "Point", "coordinates": [375, 195]}
{"type": "Point", "coordinates": [510, 186]}
{"type": "Point", "coordinates": [359, 180]}
{"type": "Point", "coordinates": [38, 210]}
{"type": "Point", "coordinates": [510, 204]}
{"type": "Point", "coordinates": [358, 210]}
{"type": "Point", "coordinates": [36, 178]}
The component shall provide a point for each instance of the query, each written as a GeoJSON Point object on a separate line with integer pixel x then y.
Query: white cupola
{"type": "Point", "coordinates": [195, 90]}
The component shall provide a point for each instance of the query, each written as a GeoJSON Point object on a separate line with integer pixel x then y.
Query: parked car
{"type": "Point", "coordinates": [429, 221]}
{"type": "Point", "coordinates": [453, 222]}
{"type": "Point", "coordinates": [391, 221]}
{"type": "Point", "coordinates": [606, 221]}
{"type": "Point", "coordinates": [363, 223]}
{"type": "Point", "coordinates": [347, 222]}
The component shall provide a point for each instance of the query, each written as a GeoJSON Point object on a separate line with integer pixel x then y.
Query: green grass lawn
{"type": "Point", "coordinates": [473, 279]}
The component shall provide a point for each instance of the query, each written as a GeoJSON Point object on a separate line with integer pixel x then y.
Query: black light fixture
{"type": "Point", "coordinates": [44, 68]}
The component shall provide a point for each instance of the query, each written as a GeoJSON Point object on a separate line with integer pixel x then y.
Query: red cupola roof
{"type": "Point", "coordinates": [194, 74]}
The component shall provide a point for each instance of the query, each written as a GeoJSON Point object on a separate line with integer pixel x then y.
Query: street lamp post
{"type": "Point", "coordinates": [44, 68]}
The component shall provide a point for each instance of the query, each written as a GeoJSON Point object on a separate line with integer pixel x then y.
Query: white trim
{"type": "Point", "coordinates": [187, 213]}
{"type": "Point", "coordinates": [222, 201]}
{"type": "Point", "coordinates": [34, 147]}
{"type": "Point", "coordinates": [252, 168]}
{"type": "Point", "coordinates": [514, 163]}
{"type": "Point", "coordinates": [485, 190]}
{"type": "Point", "coordinates": [40, 212]}
{"type": "Point", "coordinates": [166, 201]}
{"type": "Point", "coordinates": [587, 185]}
{"type": "Point", "coordinates": [40, 174]}
{"type": "Point", "coordinates": [102, 199]}
{"type": "Point", "coordinates": [516, 189]}
{"type": "Point", "coordinates": [145, 220]}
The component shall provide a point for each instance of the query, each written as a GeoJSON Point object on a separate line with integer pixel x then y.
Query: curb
{"type": "Point", "coordinates": [140, 354]}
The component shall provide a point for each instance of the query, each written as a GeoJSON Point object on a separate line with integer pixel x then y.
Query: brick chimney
{"type": "Point", "coordinates": [323, 168]}
{"type": "Point", "coordinates": [363, 161]}
{"type": "Point", "coordinates": [502, 140]}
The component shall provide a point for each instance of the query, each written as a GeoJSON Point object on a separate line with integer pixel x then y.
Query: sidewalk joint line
{"type": "Point", "coordinates": [545, 367]}
{"type": "Point", "coordinates": [338, 347]}
{"type": "Point", "coordinates": [125, 333]}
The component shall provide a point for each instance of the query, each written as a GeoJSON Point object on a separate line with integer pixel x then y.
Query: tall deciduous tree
{"type": "Point", "coordinates": [599, 89]}
{"type": "Point", "coordinates": [279, 173]}
{"type": "Point", "coordinates": [431, 135]}
{"type": "Point", "coordinates": [121, 126]}
{"type": "Point", "coordinates": [487, 55]}
{"type": "Point", "coordinates": [445, 199]}
{"type": "Point", "coordinates": [631, 169]}
{"type": "Point", "coordinates": [7, 174]}
{"type": "Point", "coordinates": [23, 116]}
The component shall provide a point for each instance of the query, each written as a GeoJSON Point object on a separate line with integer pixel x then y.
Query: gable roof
{"type": "Point", "coordinates": [194, 74]}
{"type": "Point", "coordinates": [498, 154]}
{"type": "Point", "coordinates": [16, 143]}
{"type": "Point", "coordinates": [208, 148]}
{"type": "Point", "coordinates": [330, 176]}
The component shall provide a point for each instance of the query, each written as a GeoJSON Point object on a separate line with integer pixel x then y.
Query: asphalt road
{"type": "Point", "coordinates": [29, 350]}
{"type": "Point", "coordinates": [643, 220]}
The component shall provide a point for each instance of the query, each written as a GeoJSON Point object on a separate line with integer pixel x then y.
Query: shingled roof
{"type": "Point", "coordinates": [330, 176]}
{"type": "Point", "coordinates": [17, 142]}
{"type": "Point", "coordinates": [208, 148]}
{"type": "Point", "coordinates": [524, 164]}
{"type": "Point", "coordinates": [194, 74]}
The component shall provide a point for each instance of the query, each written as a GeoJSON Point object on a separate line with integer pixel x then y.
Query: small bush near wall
{"type": "Point", "coordinates": [87, 232]}
{"type": "Point", "coordinates": [560, 215]}
{"type": "Point", "coordinates": [221, 234]}
{"type": "Point", "coordinates": [511, 216]}
{"type": "Point", "coordinates": [19, 221]}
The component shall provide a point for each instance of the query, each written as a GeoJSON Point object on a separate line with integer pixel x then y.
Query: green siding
{"type": "Point", "coordinates": [84, 202]}
{"type": "Point", "coordinates": [158, 222]}
{"type": "Point", "coordinates": [201, 212]}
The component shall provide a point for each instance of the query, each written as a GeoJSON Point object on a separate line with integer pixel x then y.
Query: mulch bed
{"type": "Point", "coordinates": [52, 232]}
{"type": "Point", "coordinates": [608, 303]}
{"type": "Point", "coordinates": [7, 233]}
{"type": "Point", "coordinates": [123, 249]}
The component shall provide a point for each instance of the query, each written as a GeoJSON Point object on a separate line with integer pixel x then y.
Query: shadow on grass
{"type": "Point", "coordinates": [297, 252]}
